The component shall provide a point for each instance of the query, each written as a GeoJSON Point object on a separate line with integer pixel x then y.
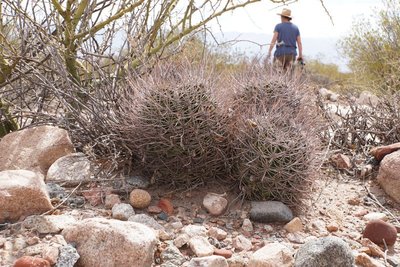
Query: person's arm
{"type": "Point", "coordinates": [272, 44]}
{"type": "Point", "coordinates": [300, 46]}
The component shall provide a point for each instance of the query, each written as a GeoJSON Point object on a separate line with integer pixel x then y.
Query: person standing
{"type": "Point", "coordinates": [287, 39]}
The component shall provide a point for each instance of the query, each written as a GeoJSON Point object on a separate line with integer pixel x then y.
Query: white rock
{"type": "Point", "coordinates": [71, 169]}
{"type": "Point", "coordinates": [122, 211]}
{"type": "Point", "coordinates": [181, 240]}
{"type": "Point", "coordinates": [241, 243]}
{"type": "Point", "coordinates": [34, 149]}
{"type": "Point", "coordinates": [375, 216]}
{"type": "Point", "coordinates": [247, 225]}
{"type": "Point", "coordinates": [102, 243]}
{"type": "Point", "coordinates": [215, 204]}
{"type": "Point", "coordinates": [210, 261]}
{"type": "Point", "coordinates": [194, 230]}
{"type": "Point", "coordinates": [217, 233]}
{"type": "Point", "coordinates": [48, 224]}
{"type": "Point", "coordinates": [200, 246]}
{"type": "Point", "coordinates": [22, 193]}
{"type": "Point", "coordinates": [272, 255]}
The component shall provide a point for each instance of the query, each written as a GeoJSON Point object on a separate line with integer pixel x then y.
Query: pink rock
{"type": "Point", "coordinates": [94, 196]}
{"type": "Point", "coordinates": [341, 161]}
{"type": "Point", "coordinates": [381, 151]}
{"type": "Point", "coordinates": [389, 175]}
{"type": "Point", "coordinates": [111, 200]}
{"type": "Point", "coordinates": [34, 149]}
{"type": "Point", "coordinates": [215, 204]}
{"type": "Point", "coordinates": [22, 193]}
{"type": "Point", "coordinates": [378, 230]}
{"type": "Point", "coordinates": [226, 253]}
{"type": "Point", "coordinates": [154, 209]}
{"type": "Point", "coordinates": [28, 261]}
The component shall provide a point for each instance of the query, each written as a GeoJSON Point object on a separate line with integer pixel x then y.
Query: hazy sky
{"type": "Point", "coordinates": [309, 15]}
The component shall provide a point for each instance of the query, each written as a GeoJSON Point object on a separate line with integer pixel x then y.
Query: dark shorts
{"type": "Point", "coordinates": [285, 60]}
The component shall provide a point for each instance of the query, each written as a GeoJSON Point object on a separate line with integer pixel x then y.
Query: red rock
{"type": "Point", "coordinates": [94, 196]}
{"type": "Point", "coordinates": [381, 151]}
{"type": "Point", "coordinates": [378, 230]}
{"type": "Point", "coordinates": [166, 205]}
{"type": "Point", "coordinates": [226, 253]}
{"type": "Point", "coordinates": [341, 161]}
{"type": "Point", "coordinates": [28, 261]}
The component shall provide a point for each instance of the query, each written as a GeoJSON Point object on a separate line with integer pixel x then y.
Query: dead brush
{"type": "Point", "coordinates": [175, 128]}
{"type": "Point", "coordinates": [276, 142]}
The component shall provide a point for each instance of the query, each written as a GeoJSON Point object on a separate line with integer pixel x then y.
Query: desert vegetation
{"type": "Point", "coordinates": [160, 101]}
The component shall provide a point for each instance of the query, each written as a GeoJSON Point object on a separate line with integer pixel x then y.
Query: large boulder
{"type": "Point", "coordinates": [22, 193]}
{"type": "Point", "coordinates": [324, 252]}
{"type": "Point", "coordinates": [34, 149]}
{"type": "Point", "coordinates": [102, 243]}
{"type": "Point", "coordinates": [71, 169]}
{"type": "Point", "coordinates": [389, 175]}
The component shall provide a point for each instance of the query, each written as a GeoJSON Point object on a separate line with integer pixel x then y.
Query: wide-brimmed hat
{"type": "Point", "coordinates": [286, 13]}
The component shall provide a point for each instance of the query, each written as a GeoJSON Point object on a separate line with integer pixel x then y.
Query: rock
{"type": "Point", "coordinates": [101, 242]}
{"type": "Point", "coordinates": [28, 261]}
{"type": "Point", "coordinates": [70, 169]}
{"type": "Point", "coordinates": [378, 230]}
{"type": "Point", "coordinates": [270, 211]}
{"type": "Point", "coordinates": [122, 211]}
{"type": "Point", "coordinates": [138, 182]}
{"type": "Point", "coordinates": [375, 216]}
{"type": "Point", "coordinates": [364, 260]}
{"type": "Point", "coordinates": [332, 227]}
{"type": "Point", "coordinates": [217, 233]}
{"type": "Point", "coordinates": [367, 98]}
{"type": "Point", "coordinates": [94, 196]}
{"type": "Point", "coordinates": [238, 260]}
{"type": "Point", "coordinates": [194, 230]}
{"type": "Point", "coordinates": [272, 255]}
{"type": "Point", "coordinates": [381, 151]}
{"type": "Point", "coordinates": [334, 97]}
{"type": "Point", "coordinates": [34, 149]}
{"type": "Point", "coordinates": [294, 226]}
{"type": "Point", "coordinates": [200, 246]}
{"type": "Point", "coordinates": [226, 253]}
{"type": "Point", "coordinates": [111, 200]}
{"type": "Point", "coordinates": [373, 249]}
{"type": "Point", "coordinates": [268, 228]}
{"type": "Point", "coordinates": [154, 209]}
{"type": "Point", "coordinates": [67, 257]}
{"type": "Point", "coordinates": [146, 220]}
{"type": "Point", "coordinates": [389, 175]}
{"type": "Point", "coordinates": [215, 204]}
{"type": "Point", "coordinates": [56, 191]}
{"type": "Point", "coordinates": [241, 243]}
{"type": "Point", "coordinates": [210, 261]}
{"type": "Point", "coordinates": [341, 161]}
{"type": "Point", "coordinates": [172, 255]}
{"type": "Point", "coordinates": [366, 170]}
{"type": "Point", "coordinates": [22, 193]}
{"type": "Point", "coordinates": [48, 224]}
{"type": "Point", "coordinates": [328, 95]}
{"type": "Point", "coordinates": [50, 253]}
{"type": "Point", "coordinates": [247, 226]}
{"type": "Point", "coordinates": [324, 252]}
{"type": "Point", "coordinates": [166, 206]}
{"type": "Point", "coordinates": [162, 216]}
{"type": "Point", "coordinates": [139, 199]}
{"type": "Point", "coordinates": [181, 240]}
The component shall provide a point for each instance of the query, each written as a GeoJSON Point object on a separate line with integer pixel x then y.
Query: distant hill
{"type": "Point", "coordinates": [255, 44]}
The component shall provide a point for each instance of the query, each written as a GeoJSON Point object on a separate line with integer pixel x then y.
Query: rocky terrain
{"type": "Point", "coordinates": [57, 210]}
